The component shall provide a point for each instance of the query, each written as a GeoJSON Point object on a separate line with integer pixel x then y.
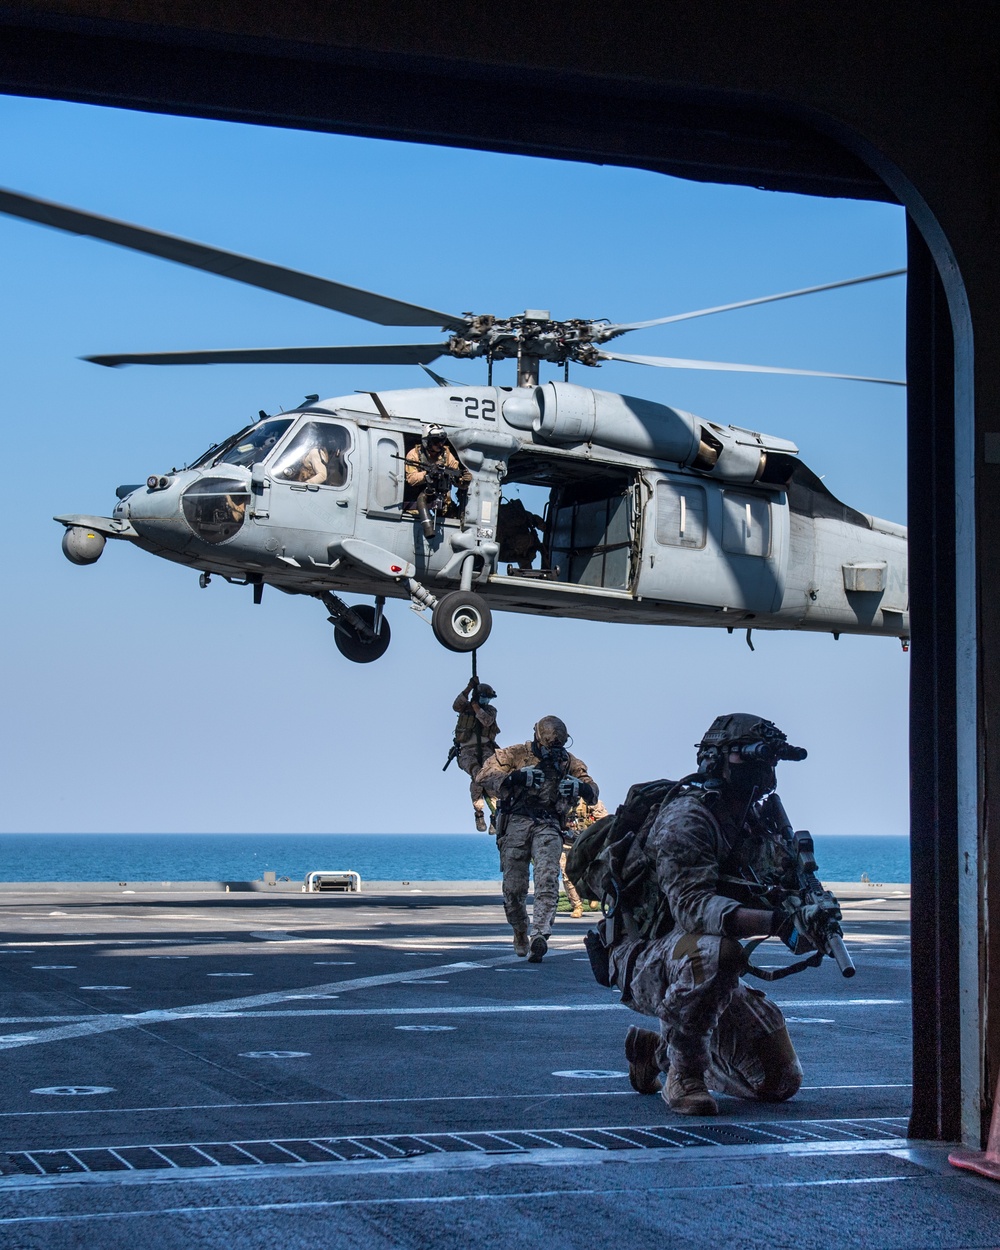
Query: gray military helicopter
{"type": "Point", "coordinates": [651, 514]}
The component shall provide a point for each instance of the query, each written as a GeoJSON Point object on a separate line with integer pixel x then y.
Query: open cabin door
{"type": "Point", "coordinates": [591, 533]}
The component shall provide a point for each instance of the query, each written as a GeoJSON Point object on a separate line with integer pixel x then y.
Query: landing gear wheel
{"type": "Point", "coordinates": [462, 620]}
{"type": "Point", "coordinates": [356, 648]}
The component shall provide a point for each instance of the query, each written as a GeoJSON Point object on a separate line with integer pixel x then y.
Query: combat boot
{"type": "Point", "coordinates": [688, 1095]}
{"type": "Point", "coordinates": [520, 942]}
{"type": "Point", "coordinates": [577, 912]}
{"type": "Point", "coordinates": [538, 948]}
{"type": "Point", "coordinates": [640, 1051]}
{"type": "Point", "coordinates": [480, 822]}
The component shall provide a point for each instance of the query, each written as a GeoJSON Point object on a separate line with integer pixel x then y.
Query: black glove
{"type": "Point", "coordinates": [787, 926]}
{"type": "Point", "coordinates": [588, 793]}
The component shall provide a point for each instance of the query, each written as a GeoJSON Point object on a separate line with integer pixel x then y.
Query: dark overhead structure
{"type": "Point", "coordinates": [894, 101]}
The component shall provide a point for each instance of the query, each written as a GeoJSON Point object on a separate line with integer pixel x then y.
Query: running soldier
{"type": "Point", "coordinates": [476, 732]}
{"type": "Point", "coordinates": [539, 784]}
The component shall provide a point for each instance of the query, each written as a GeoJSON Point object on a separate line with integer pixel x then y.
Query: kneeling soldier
{"type": "Point", "coordinates": [708, 840]}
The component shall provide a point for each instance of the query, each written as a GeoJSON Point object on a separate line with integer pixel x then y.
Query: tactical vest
{"type": "Point", "coordinates": [465, 730]}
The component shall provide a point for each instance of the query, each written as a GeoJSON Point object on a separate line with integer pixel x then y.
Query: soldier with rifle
{"type": "Point", "coordinates": [432, 471]}
{"type": "Point", "coordinates": [476, 732]}
{"type": "Point", "coordinates": [539, 784]}
{"type": "Point", "coordinates": [684, 877]}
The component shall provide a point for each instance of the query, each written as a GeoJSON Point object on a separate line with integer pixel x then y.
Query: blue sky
{"type": "Point", "coordinates": [136, 701]}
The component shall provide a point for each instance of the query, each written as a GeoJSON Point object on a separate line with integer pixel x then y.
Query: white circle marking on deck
{"type": "Point", "coordinates": [105, 987]}
{"type": "Point", "coordinates": [74, 1091]}
{"type": "Point", "coordinates": [425, 1028]}
{"type": "Point", "coordinates": [49, 967]}
{"type": "Point", "coordinates": [589, 1074]}
{"type": "Point", "coordinates": [274, 1054]}
{"type": "Point", "coordinates": [334, 963]}
{"type": "Point", "coordinates": [229, 974]}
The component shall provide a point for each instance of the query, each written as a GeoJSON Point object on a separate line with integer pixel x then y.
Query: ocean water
{"type": "Point", "coordinates": [376, 856]}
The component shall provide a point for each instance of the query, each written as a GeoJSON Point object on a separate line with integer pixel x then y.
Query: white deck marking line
{"type": "Point", "coordinates": [223, 1011]}
{"type": "Point", "coordinates": [113, 1022]}
{"type": "Point", "coordinates": [356, 1102]}
{"type": "Point", "coordinates": [446, 1199]}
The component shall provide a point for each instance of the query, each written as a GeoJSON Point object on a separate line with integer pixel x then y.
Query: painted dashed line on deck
{"type": "Point", "coordinates": [229, 1007]}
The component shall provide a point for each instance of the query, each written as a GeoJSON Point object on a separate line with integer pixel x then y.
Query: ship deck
{"type": "Point", "coordinates": [380, 1069]}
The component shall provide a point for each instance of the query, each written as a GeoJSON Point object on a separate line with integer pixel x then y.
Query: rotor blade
{"type": "Point", "coordinates": [622, 327]}
{"type": "Point", "coordinates": [301, 286]}
{"type": "Point", "coordinates": [385, 354]}
{"type": "Point", "coordinates": [674, 362]}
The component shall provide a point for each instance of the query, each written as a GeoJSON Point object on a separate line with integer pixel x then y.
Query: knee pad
{"type": "Point", "coordinates": [782, 1070]}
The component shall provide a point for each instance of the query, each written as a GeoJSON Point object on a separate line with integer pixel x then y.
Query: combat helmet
{"type": "Point", "coordinates": [551, 732]}
{"type": "Point", "coordinates": [754, 738]}
{"type": "Point", "coordinates": [435, 434]}
{"type": "Point", "coordinates": [486, 691]}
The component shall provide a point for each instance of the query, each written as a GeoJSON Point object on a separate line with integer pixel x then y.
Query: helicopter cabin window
{"type": "Point", "coordinates": [215, 507]}
{"type": "Point", "coordinates": [316, 456]}
{"type": "Point", "coordinates": [386, 489]}
{"type": "Point", "coordinates": [746, 523]}
{"type": "Point", "coordinates": [680, 514]}
{"type": "Point", "coordinates": [248, 446]}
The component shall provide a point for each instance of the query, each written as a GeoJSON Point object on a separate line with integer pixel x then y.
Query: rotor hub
{"type": "Point", "coordinates": [531, 334]}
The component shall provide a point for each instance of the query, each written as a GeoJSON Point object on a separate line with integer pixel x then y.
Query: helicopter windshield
{"type": "Point", "coordinates": [246, 447]}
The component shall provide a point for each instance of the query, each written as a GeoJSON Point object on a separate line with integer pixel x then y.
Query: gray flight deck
{"type": "Point", "coordinates": [197, 1068]}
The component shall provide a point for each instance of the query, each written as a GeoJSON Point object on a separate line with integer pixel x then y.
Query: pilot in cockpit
{"type": "Point", "coordinates": [315, 456]}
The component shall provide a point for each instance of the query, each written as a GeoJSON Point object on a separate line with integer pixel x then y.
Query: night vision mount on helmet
{"type": "Point", "coordinates": [752, 738]}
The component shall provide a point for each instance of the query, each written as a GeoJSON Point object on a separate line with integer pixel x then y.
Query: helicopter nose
{"type": "Point", "coordinates": [155, 510]}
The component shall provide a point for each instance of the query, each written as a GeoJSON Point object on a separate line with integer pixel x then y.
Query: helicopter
{"type": "Point", "coordinates": [651, 514]}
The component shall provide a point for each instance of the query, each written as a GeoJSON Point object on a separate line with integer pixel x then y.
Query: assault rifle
{"type": "Point", "coordinates": [813, 912]}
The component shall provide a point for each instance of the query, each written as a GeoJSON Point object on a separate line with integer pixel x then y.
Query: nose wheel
{"type": "Point", "coordinates": [361, 633]}
{"type": "Point", "coordinates": [462, 620]}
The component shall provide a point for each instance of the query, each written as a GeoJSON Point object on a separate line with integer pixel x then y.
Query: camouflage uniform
{"type": "Point", "coordinates": [475, 749]}
{"type": "Point", "coordinates": [532, 833]}
{"type": "Point", "coordinates": [417, 463]}
{"type": "Point", "coordinates": [517, 533]}
{"type": "Point", "coordinates": [583, 817]}
{"type": "Point", "coordinates": [712, 1025]}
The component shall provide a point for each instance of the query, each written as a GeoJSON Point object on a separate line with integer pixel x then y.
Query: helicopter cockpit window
{"type": "Point", "coordinates": [215, 507]}
{"type": "Point", "coordinates": [317, 456]}
{"type": "Point", "coordinates": [247, 447]}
